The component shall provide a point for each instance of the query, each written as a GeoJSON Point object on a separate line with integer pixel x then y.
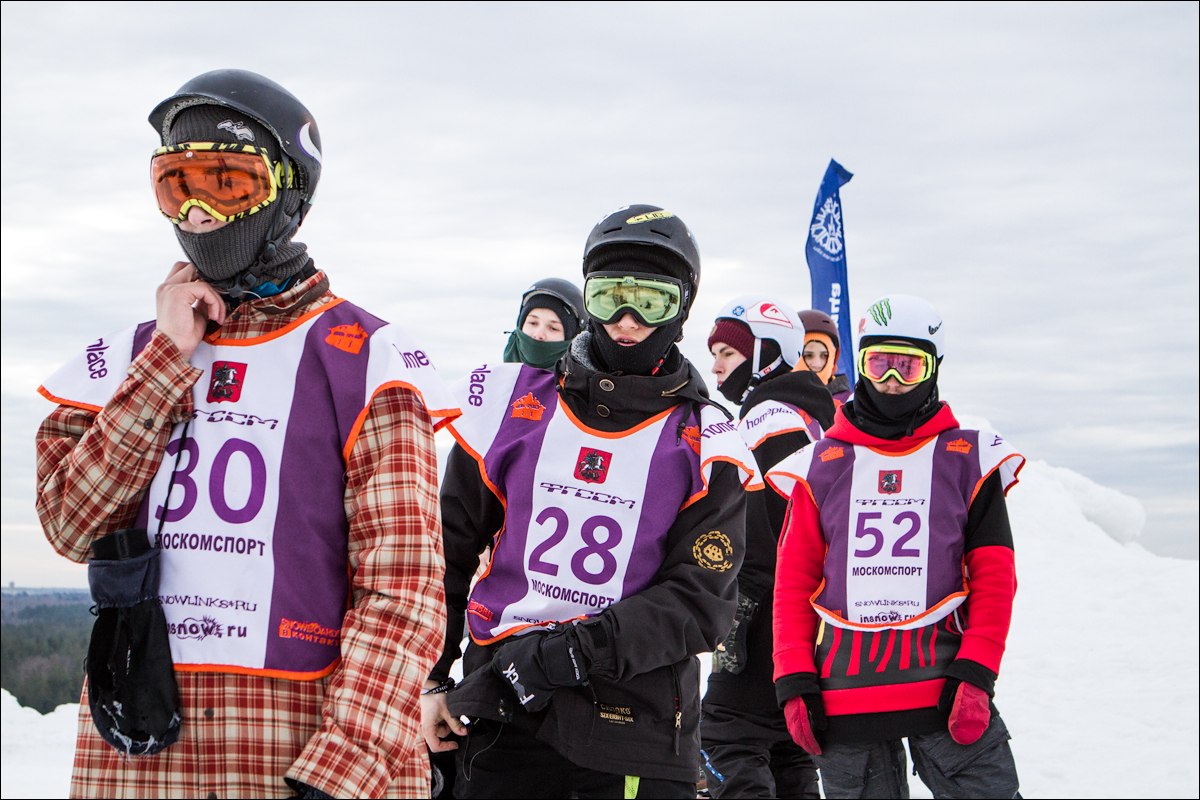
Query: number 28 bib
{"type": "Point", "coordinates": [587, 512]}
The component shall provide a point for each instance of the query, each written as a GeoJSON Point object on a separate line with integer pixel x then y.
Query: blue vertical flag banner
{"type": "Point", "coordinates": [826, 254]}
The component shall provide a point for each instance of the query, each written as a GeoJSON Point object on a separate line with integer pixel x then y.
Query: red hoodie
{"type": "Point", "coordinates": [883, 681]}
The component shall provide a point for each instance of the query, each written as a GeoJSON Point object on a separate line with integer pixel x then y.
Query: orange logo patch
{"type": "Point", "coordinates": [691, 435]}
{"type": "Point", "coordinates": [958, 446]}
{"type": "Point", "coordinates": [308, 631]}
{"type": "Point", "coordinates": [528, 407]}
{"type": "Point", "coordinates": [832, 453]}
{"type": "Point", "coordinates": [347, 337]}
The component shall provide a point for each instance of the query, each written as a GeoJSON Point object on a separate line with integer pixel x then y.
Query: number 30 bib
{"type": "Point", "coordinates": [254, 532]}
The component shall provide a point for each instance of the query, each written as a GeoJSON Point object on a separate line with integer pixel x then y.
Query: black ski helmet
{"type": "Point", "coordinates": [643, 225]}
{"type": "Point", "coordinates": [260, 98]}
{"type": "Point", "coordinates": [560, 289]}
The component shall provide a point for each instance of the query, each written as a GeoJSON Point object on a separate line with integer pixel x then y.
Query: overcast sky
{"type": "Point", "coordinates": [1031, 169]}
{"type": "Point", "coordinates": [1082, 725]}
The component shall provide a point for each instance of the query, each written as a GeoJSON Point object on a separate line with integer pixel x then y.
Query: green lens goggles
{"type": "Point", "coordinates": [653, 299]}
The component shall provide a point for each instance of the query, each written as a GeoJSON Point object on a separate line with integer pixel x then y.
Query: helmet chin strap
{"type": "Point", "coordinates": [759, 373]}
{"type": "Point", "coordinates": [246, 283]}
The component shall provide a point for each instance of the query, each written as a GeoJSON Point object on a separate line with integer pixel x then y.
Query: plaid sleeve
{"type": "Point", "coordinates": [369, 743]}
{"type": "Point", "coordinates": [93, 468]}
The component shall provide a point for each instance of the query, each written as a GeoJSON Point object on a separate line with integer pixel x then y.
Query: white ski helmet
{"type": "Point", "coordinates": [768, 318]}
{"type": "Point", "coordinates": [902, 316]}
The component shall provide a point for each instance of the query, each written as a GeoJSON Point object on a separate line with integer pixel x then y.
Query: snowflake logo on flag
{"type": "Point", "coordinates": [826, 228]}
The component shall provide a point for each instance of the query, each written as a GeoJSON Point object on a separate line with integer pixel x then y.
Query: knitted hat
{"type": "Point", "coordinates": [639, 258]}
{"type": "Point", "coordinates": [734, 333]}
{"type": "Point", "coordinates": [209, 123]}
{"type": "Point", "coordinates": [645, 357]}
{"type": "Point", "coordinates": [565, 315]}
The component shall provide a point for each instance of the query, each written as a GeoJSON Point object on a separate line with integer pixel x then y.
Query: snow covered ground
{"type": "Point", "coordinates": [1099, 685]}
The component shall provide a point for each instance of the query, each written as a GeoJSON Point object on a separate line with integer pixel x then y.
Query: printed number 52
{"type": "Point", "coordinates": [864, 530]}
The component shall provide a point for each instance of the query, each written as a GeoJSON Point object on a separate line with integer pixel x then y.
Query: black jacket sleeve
{"type": "Point", "coordinates": [765, 511]}
{"type": "Point", "coordinates": [471, 517]}
{"type": "Point", "coordinates": [690, 605]}
{"type": "Point", "coordinates": [987, 518]}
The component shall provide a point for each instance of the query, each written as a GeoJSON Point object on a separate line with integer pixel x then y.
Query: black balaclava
{"type": "Point", "coordinates": [737, 335]}
{"type": "Point", "coordinates": [741, 379]}
{"type": "Point", "coordinates": [738, 383]}
{"type": "Point", "coordinates": [891, 416]}
{"type": "Point", "coordinates": [237, 258]}
{"type": "Point", "coordinates": [657, 353]}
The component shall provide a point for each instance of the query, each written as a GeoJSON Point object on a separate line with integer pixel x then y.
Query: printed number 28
{"type": "Point", "coordinates": [602, 550]}
{"type": "Point", "coordinates": [864, 530]}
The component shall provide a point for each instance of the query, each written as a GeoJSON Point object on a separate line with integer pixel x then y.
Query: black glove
{"type": "Point", "coordinates": [306, 792]}
{"type": "Point", "coordinates": [731, 654]}
{"type": "Point", "coordinates": [132, 692]}
{"type": "Point", "coordinates": [482, 694]}
{"type": "Point", "coordinates": [536, 664]}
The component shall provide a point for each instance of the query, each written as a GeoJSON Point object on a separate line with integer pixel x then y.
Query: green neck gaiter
{"type": "Point", "coordinates": [527, 350]}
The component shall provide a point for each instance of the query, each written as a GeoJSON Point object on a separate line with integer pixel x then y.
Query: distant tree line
{"type": "Point", "coordinates": [42, 650]}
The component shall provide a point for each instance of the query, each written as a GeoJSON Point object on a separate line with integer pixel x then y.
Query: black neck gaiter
{"type": "Point", "coordinates": [639, 359]}
{"type": "Point", "coordinates": [892, 416]}
{"type": "Point", "coordinates": [734, 387]}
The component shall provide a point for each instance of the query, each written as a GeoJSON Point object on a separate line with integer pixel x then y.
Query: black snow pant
{"type": "Point", "coordinates": [759, 769]}
{"type": "Point", "coordinates": [879, 769]}
{"type": "Point", "coordinates": [498, 760]}
{"type": "Point", "coordinates": [747, 751]}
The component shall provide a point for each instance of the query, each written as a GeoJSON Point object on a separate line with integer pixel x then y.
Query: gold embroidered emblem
{"type": "Point", "coordinates": [618, 715]}
{"type": "Point", "coordinates": [713, 551]}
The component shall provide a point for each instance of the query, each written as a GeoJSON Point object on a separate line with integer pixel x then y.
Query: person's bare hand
{"type": "Point", "coordinates": [437, 721]}
{"type": "Point", "coordinates": [185, 305]}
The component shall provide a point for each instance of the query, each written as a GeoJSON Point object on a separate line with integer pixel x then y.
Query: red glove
{"type": "Point", "coordinates": [800, 721]}
{"type": "Point", "coordinates": [969, 715]}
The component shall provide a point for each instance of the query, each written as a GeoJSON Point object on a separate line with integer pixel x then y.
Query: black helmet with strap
{"type": "Point", "coordinates": [258, 97]}
{"type": "Point", "coordinates": [562, 290]}
{"type": "Point", "coordinates": [258, 251]}
{"type": "Point", "coordinates": [645, 226]}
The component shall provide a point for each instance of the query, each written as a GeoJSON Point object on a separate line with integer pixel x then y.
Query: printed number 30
{"type": "Point", "coordinates": [216, 482]}
{"type": "Point", "coordinates": [865, 531]}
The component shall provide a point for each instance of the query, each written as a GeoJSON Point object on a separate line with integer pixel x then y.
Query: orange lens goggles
{"type": "Point", "coordinates": [909, 365]}
{"type": "Point", "coordinates": [228, 181]}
